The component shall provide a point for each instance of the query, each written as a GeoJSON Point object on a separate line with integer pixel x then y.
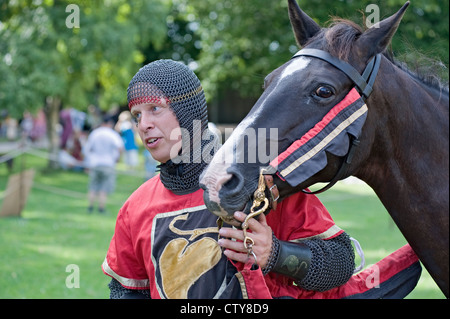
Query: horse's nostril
{"type": "Point", "coordinates": [235, 184]}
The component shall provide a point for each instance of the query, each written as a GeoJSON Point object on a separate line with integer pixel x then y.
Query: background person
{"type": "Point", "coordinates": [102, 151]}
{"type": "Point", "coordinates": [125, 128]}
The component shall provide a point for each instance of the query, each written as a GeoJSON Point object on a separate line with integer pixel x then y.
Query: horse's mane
{"type": "Point", "coordinates": [339, 37]}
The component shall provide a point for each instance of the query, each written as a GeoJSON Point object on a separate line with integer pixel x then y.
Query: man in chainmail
{"type": "Point", "coordinates": [165, 243]}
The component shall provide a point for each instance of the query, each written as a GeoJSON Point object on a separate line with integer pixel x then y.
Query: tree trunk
{"type": "Point", "coordinates": [51, 109]}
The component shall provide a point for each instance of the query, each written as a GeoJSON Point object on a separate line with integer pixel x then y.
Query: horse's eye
{"type": "Point", "coordinates": [324, 92]}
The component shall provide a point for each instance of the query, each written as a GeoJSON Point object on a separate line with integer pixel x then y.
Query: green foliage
{"type": "Point", "coordinates": [230, 43]}
{"type": "Point", "coordinates": [241, 41]}
{"type": "Point", "coordinates": [41, 56]}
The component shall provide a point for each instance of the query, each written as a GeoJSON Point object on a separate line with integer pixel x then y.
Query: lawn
{"type": "Point", "coordinates": [55, 239]}
{"type": "Point", "coordinates": [56, 231]}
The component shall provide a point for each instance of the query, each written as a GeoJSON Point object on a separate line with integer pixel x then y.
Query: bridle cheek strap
{"type": "Point", "coordinates": [273, 190]}
{"type": "Point", "coordinates": [363, 82]}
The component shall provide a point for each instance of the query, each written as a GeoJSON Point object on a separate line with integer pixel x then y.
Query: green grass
{"type": "Point", "coordinates": [55, 231]}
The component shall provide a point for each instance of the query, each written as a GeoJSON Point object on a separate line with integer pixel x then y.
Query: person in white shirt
{"type": "Point", "coordinates": [102, 151]}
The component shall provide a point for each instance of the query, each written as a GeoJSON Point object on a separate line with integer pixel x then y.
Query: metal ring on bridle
{"type": "Point", "coordinates": [248, 242]}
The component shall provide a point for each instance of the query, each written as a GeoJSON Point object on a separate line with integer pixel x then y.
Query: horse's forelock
{"type": "Point", "coordinates": [340, 37]}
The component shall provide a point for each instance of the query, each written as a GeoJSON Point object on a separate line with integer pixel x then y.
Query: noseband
{"type": "Point", "coordinates": [363, 83]}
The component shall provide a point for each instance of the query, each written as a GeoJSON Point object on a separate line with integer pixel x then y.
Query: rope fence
{"type": "Point", "coordinates": [28, 149]}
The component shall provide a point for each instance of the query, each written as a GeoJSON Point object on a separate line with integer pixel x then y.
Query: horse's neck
{"type": "Point", "coordinates": [409, 157]}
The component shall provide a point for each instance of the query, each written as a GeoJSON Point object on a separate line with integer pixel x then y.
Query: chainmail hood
{"type": "Point", "coordinates": [180, 87]}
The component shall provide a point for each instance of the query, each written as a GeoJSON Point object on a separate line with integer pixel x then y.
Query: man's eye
{"type": "Point", "coordinates": [136, 117]}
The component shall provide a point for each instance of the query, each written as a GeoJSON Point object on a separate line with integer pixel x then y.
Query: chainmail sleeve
{"type": "Point", "coordinates": [117, 291]}
{"type": "Point", "coordinates": [332, 263]}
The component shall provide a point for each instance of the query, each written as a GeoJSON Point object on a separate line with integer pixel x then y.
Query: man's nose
{"type": "Point", "coordinates": [146, 122]}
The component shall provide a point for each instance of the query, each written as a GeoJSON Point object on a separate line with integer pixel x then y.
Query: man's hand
{"type": "Point", "coordinates": [259, 231]}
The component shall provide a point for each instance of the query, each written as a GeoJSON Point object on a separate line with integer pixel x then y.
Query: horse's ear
{"type": "Point", "coordinates": [304, 27]}
{"type": "Point", "coordinates": [376, 39]}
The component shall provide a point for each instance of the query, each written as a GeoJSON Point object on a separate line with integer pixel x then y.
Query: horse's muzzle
{"type": "Point", "coordinates": [224, 195]}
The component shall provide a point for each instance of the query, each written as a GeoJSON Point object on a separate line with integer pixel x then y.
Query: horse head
{"type": "Point", "coordinates": [297, 104]}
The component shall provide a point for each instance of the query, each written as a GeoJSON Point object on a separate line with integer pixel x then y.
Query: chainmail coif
{"type": "Point", "coordinates": [181, 89]}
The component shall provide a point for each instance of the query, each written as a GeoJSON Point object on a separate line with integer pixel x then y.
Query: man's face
{"type": "Point", "coordinates": [159, 129]}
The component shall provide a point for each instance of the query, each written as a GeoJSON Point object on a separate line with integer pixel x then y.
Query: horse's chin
{"type": "Point", "coordinates": [226, 215]}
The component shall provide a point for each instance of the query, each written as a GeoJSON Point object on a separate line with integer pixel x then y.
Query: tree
{"type": "Point", "coordinates": [231, 44]}
{"type": "Point", "coordinates": [46, 56]}
{"type": "Point", "coordinates": [57, 53]}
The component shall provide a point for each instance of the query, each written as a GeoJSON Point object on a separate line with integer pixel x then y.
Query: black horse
{"type": "Point", "coordinates": [396, 139]}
